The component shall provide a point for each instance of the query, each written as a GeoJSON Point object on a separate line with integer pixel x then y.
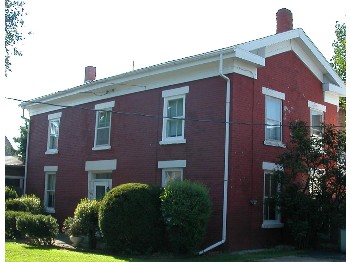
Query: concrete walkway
{"type": "Point", "coordinates": [322, 256]}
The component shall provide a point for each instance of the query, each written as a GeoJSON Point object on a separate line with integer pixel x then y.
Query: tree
{"type": "Point", "coordinates": [338, 60]}
{"type": "Point", "coordinates": [312, 179]}
{"type": "Point", "coordinates": [14, 11]}
{"type": "Point", "coordinates": [22, 141]}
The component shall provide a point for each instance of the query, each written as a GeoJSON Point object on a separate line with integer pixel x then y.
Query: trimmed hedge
{"type": "Point", "coordinates": [38, 229]}
{"type": "Point", "coordinates": [186, 209]}
{"type": "Point", "coordinates": [130, 219]}
{"type": "Point", "coordinates": [10, 193]}
{"type": "Point", "coordinates": [10, 224]}
{"type": "Point", "coordinates": [27, 203]}
{"type": "Point", "coordinates": [86, 213]}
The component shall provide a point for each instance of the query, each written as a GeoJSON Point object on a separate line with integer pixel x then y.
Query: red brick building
{"type": "Point", "coordinates": [219, 118]}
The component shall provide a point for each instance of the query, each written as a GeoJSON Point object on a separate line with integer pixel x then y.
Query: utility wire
{"type": "Point", "coordinates": [156, 116]}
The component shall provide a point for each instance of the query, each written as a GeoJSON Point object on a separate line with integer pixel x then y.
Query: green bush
{"type": "Point", "coordinates": [72, 227]}
{"type": "Point", "coordinates": [10, 224]}
{"type": "Point", "coordinates": [86, 215]}
{"type": "Point", "coordinates": [27, 203]}
{"type": "Point", "coordinates": [38, 229]}
{"type": "Point", "coordinates": [10, 193]}
{"type": "Point", "coordinates": [130, 220]}
{"type": "Point", "coordinates": [186, 209]}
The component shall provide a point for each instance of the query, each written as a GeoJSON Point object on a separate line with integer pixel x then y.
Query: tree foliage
{"type": "Point", "coordinates": [21, 152]}
{"type": "Point", "coordinates": [14, 12]}
{"type": "Point", "coordinates": [312, 199]}
{"type": "Point", "coordinates": [338, 60]}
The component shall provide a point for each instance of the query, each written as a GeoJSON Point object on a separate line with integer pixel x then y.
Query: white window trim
{"type": "Point", "coordinates": [50, 170]}
{"type": "Point", "coordinates": [171, 163]}
{"type": "Point", "coordinates": [101, 165]}
{"type": "Point", "coordinates": [53, 117]}
{"type": "Point", "coordinates": [268, 168]}
{"type": "Point", "coordinates": [276, 95]}
{"type": "Point", "coordinates": [107, 106]}
{"type": "Point", "coordinates": [168, 95]}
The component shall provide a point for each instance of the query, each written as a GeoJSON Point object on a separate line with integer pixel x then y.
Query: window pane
{"type": "Point", "coordinates": [103, 119]}
{"type": "Point", "coordinates": [269, 194]}
{"type": "Point", "coordinates": [174, 128]}
{"type": "Point", "coordinates": [54, 127]}
{"type": "Point", "coordinates": [175, 108]}
{"type": "Point", "coordinates": [273, 109]}
{"type": "Point", "coordinates": [180, 107]}
{"type": "Point", "coordinates": [51, 181]}
{"type": "Point", "coordinates": [316, 121]}
{"type": "Point", "coordinates": [102, 136]}
{"type": "Point", "coordinates": [50, 199]}
{"type": "Point", "coordinates": [172, 176]}
{"type": "Point", "coordinates": [53, 144]}
{"type": "Point", "coordinates": [103, 176]}
{"type": "Point", "coordinates": [273, 130]}
{"type": "Point", "coordinates": [100, 192]}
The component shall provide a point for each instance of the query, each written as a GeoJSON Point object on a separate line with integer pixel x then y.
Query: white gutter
{"type": "Point", "coordinates": [227, 138]}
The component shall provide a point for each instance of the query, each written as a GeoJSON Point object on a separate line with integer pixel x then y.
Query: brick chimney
{"type": "Point", "coordinates": [284, 19]}
{"type": "Point", "coordinates": [90, 74]}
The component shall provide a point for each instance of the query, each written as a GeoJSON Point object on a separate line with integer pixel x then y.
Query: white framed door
{"type": "Point", "coordinates": [100, 188]}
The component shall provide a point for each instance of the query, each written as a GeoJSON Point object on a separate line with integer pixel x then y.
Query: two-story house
{"type": "Point", "coordinates": [220, 118]}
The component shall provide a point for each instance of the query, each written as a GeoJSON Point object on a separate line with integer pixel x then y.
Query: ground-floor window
{"type": "Point", "coordinates": [171, 174]}
{"type": "Point", "coordinates": [50, 186]}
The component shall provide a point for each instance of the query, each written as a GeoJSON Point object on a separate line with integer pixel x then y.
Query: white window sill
{"type": "Point", "coordinates": [101, 147]}
{"type": "Point", "coordinates": [51, 152]}
{"type": "Point", "coordinates": [49, 210]}
{"type": "Point", "coordinates": [274, 143]}
{"type": "Point", "coordinates": [169, 142]}
{"type": "Point", "coordinates": [272, 224]}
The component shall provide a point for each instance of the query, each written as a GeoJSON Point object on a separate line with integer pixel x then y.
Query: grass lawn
{"type": "Point", "coordinates": [23, 252]}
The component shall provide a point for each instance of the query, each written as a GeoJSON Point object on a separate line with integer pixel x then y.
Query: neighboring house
{"type": "Point", "coordinates": [220, 118]}
{"type": "Point", "coordinates": [14, 169]}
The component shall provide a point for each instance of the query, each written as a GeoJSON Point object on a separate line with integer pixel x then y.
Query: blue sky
{"type": "Point", "coordinates": [69, 35]}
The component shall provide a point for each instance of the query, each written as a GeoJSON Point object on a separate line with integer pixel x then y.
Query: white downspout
{"type": "Point", "coordinates": [26, 163]}
{"type": "Point", "coordinates": [227, 139]}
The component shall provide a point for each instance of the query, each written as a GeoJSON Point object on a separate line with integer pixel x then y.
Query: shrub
{"type": "Point", "coordinates": [72, 227]}
{"type": "Point", "coordinates": [186, 209]}
{"type": "Point", "coordinates": [130, 220]}
{"type": "Point", "coordinates": [86, 217]}
{"type": "Point", "coordinates": [27, 203]}
{"type": "Point", "coordinates": [38, 229]}
{"type": "Point", "coordinates": [10, 193]}
{"type": "Point", "coordinates": [10, 224]}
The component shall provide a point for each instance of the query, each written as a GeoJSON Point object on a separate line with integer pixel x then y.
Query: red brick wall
{"type": "Point", "coordinates": [284, 73]}
{"type": "Point", "coordinates": [135, 145]}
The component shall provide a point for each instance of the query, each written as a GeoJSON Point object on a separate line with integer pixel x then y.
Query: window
{"type": "Point", "coordinates": [50, 185]}
{"type": "Point", "coordinates": [171, 170]}
{"type": "Point", "coordinates": [103, 126]}
{"type": "Point", "coordinates": [174, 115]}
{"type": "Point", "coordinates": [273, 117]}
{"type": "Point", "coordinates": [316, 118]}
{"type": "Point", "coordinates": [171, 174]}
{"type": "Point", "coordinates": [271, 214]}
{"type": "Point", "coordinates": [53, 133]}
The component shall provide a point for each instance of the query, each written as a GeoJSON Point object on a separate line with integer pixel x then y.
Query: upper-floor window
{"type": "Point", "coordinates": [53, 133]}
{"type": "Point", "coordinates": [174, 116]}
{"type": "Point", "coordinates": [316, 118]}
{"type": "Point", "coordinates": [103, 125]}
{"type": "Point", "coordinates": [273, 116]}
